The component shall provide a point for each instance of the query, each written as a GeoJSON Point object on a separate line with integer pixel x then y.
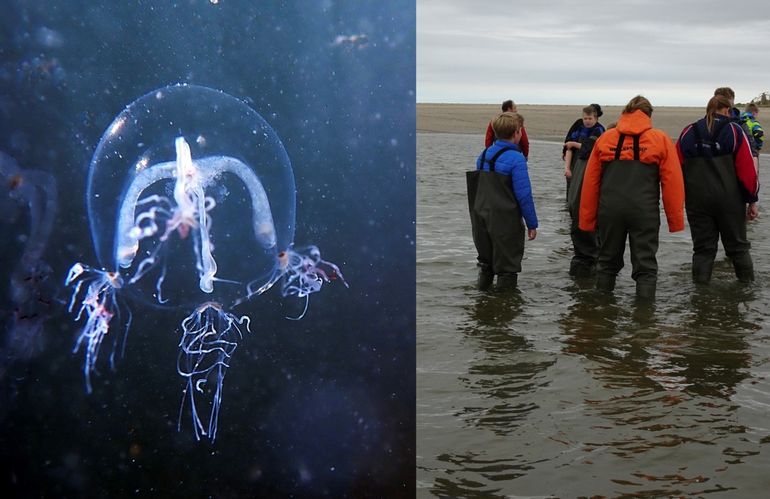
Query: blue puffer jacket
{"type": "Point", "coordinates": [514, 164]}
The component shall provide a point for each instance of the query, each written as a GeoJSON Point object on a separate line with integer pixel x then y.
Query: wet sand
{"type": "Point", "coordinates": [541, 121]}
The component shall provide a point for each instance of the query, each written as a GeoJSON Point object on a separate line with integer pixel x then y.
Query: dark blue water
{"type": "Point", "coordinates": [318, 407]}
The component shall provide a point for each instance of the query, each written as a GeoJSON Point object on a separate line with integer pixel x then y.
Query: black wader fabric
{"type": "Point", "coordinates": [584, 244]}
{"type": "Point", "coordinates": [629, 205]}
{"type": "Point", "coordinates": [715, 208]}
{"type": "Point", "coordinates": [498, 230]}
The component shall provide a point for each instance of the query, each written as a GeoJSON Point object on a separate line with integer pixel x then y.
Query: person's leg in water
{"type": "Point", "coordinates": [705, 238]}
{"type": "Point", "coordinates": [732, 228]}
{"type": "Point", "coordinates": [612, 244]}
{"type": "Point", "coordinates": [643, 242]}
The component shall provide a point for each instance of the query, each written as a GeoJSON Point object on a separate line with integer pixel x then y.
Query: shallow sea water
{"type": "Point", "coordinates": [557, 391]}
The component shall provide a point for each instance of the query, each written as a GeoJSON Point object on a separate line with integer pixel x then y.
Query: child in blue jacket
{"type": "Point", "coordinates": [500, 203]}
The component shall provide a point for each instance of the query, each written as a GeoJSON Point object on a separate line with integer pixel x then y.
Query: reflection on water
{"type": "Point", "coordinates": [557, 390]}
{"type": "Point", "coordinates": [502, 373]}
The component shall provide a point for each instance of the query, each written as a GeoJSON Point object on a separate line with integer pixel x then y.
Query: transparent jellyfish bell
{"type": "Point", "coordinates": [132, 185]}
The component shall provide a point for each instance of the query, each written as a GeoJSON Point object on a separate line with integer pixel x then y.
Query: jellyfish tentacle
{"type": "Point", "coordinates": [98, 304]}
{"type": "Point", "coordinates": [304, 272]}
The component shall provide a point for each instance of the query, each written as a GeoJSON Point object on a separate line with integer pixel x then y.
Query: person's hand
{"type": "Point", "coordinates": [568, 173]}
{"type": "Point", "coordinates": [531, 234]}
{"type": "Point", "coordinates": [752, 212]}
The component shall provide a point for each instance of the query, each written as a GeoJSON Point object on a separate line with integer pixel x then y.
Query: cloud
{"type": "Point", "coordinates": [566, 52]}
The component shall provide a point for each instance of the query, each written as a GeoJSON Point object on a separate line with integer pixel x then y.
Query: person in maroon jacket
{"type": "Point", "coordinates": [508, 106]}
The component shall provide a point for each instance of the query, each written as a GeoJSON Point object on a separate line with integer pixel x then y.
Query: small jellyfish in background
{"type": "Point", "coordinates": [31, 288]}
{"type": "Point", "coordinates": [359, 41]}
{"type": "Point", "coordinates": [191, 203]}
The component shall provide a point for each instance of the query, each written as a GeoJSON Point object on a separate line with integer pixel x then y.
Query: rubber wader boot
{"type": "Point", "coordinates": [745, 274]}
{"type": "Point", "coordinates": [507, 281]}
{"type": "Point", "coordinates": [485, 279]}
{"type": "Point", "coordinates": [580, 269]}
{"type": "Point", "coordinates": [645, 290]}
{"type": "Point", "coordinates": [605, 282]}
{"type": "Point", "coordinates": [701, 274]}
{"type": "Point", "coordinates": [744, 268]}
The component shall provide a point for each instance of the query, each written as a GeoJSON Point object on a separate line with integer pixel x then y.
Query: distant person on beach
{"type": "Point", "coordinates": [508, 107]}
{"type": "Point", "coordinates": [578, 145]}
{"type": "Point", "coordinates": [583, 131]}
{"type": "Point", "coordinates": [749, 117]}
{"type": "Point", "coordinates": [735, 116]}
{"type": "Point", "coordinates": [621, 196]}
{"type": "Point", "coordinates": [499, 197]}
{"type": "Point", "coordinates": [721, 185]}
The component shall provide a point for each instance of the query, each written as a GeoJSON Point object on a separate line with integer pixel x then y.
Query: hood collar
{"type": "Point", "coordinates": [634, 123]}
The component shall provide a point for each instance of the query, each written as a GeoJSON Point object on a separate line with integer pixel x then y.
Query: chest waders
{"type": "Point", "coordinates": [629, 206]}
{"type": "Point", "coordinates": [498, 230]}
{"type": "Point", "coordinates": [715, 209]}
{"type": "Point", "coordinates": [584, 244]}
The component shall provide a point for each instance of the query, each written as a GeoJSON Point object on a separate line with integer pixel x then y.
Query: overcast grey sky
{"type": "Point", "coordinates": [675, 52]}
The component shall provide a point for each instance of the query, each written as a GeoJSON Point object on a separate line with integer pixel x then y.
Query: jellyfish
{"type": "Point", "coordinates": [191, 202]}
{"type": "Point", "coordinates": [31, 287]}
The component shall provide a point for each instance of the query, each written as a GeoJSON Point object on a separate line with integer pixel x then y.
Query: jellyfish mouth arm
{"type": "Point", "coordinates": [209, 338]}
{"type": "Point", "coordinates": [98, 304]}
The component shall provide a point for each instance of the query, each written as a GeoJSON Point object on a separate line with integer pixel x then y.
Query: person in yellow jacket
{"type": "Point", "coordinates": [621, 196]}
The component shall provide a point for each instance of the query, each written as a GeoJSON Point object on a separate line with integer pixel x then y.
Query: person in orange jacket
{"type": "Point", "coordinates": [621, 196]}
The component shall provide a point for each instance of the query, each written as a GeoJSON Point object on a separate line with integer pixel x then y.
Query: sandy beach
{"type": "Point", "coordinates": [542, 122]}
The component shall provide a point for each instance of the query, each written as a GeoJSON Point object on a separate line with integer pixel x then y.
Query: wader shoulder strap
{"type": "Point", "coordinates": [494, 158]}
{"type": "Point", "coordinates": [636, 147]}
{"type": "Point", "coordinates": [620, 146]}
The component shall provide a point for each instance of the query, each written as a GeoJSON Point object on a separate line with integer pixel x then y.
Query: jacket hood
{"type": "Point", "coordinates": [634, 123]}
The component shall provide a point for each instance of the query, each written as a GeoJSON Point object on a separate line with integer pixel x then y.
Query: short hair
{"type": "Point", "coordinates": [506, 124]}
{"type": "Point", "coordinates": [752, 108]}
{"type": "Point", "coordinates": [593, 109]}
{"type": "Point", "coordinates": [508, 105]}
{"type": "Point", "coordinates": [726, 92]}
{"type": "Point", "coordinates": [639, 103]}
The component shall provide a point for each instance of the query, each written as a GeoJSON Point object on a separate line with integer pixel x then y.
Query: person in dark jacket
{"type": "Point", "coordinates": [735, 117]}
{"type": "Point", "coordinates": [578, 145]}
{"type": "Point", "coordinates": [583, 131]}
{"type": "Point", "coordinates": [500, 203]}
{"type": "Point", "coordinates": [749, 117]}
{"type": "Point", "coordinates": [721, 189]}
{"type": "Point", "coordinates": [508, 107]}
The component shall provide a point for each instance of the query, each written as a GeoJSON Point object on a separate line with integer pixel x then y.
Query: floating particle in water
{"type": "Point", "coordinates": [49, 38]}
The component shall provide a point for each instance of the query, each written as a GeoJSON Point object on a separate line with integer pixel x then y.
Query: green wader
{"type": "Point", "coordinates": [629, 205]}
{"type": "Point", "coordinates": [498, 230]}
{"type": "Point", "coordinates": [584, 244]}
{"type": "Point", "coordinates": [715, 209]}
